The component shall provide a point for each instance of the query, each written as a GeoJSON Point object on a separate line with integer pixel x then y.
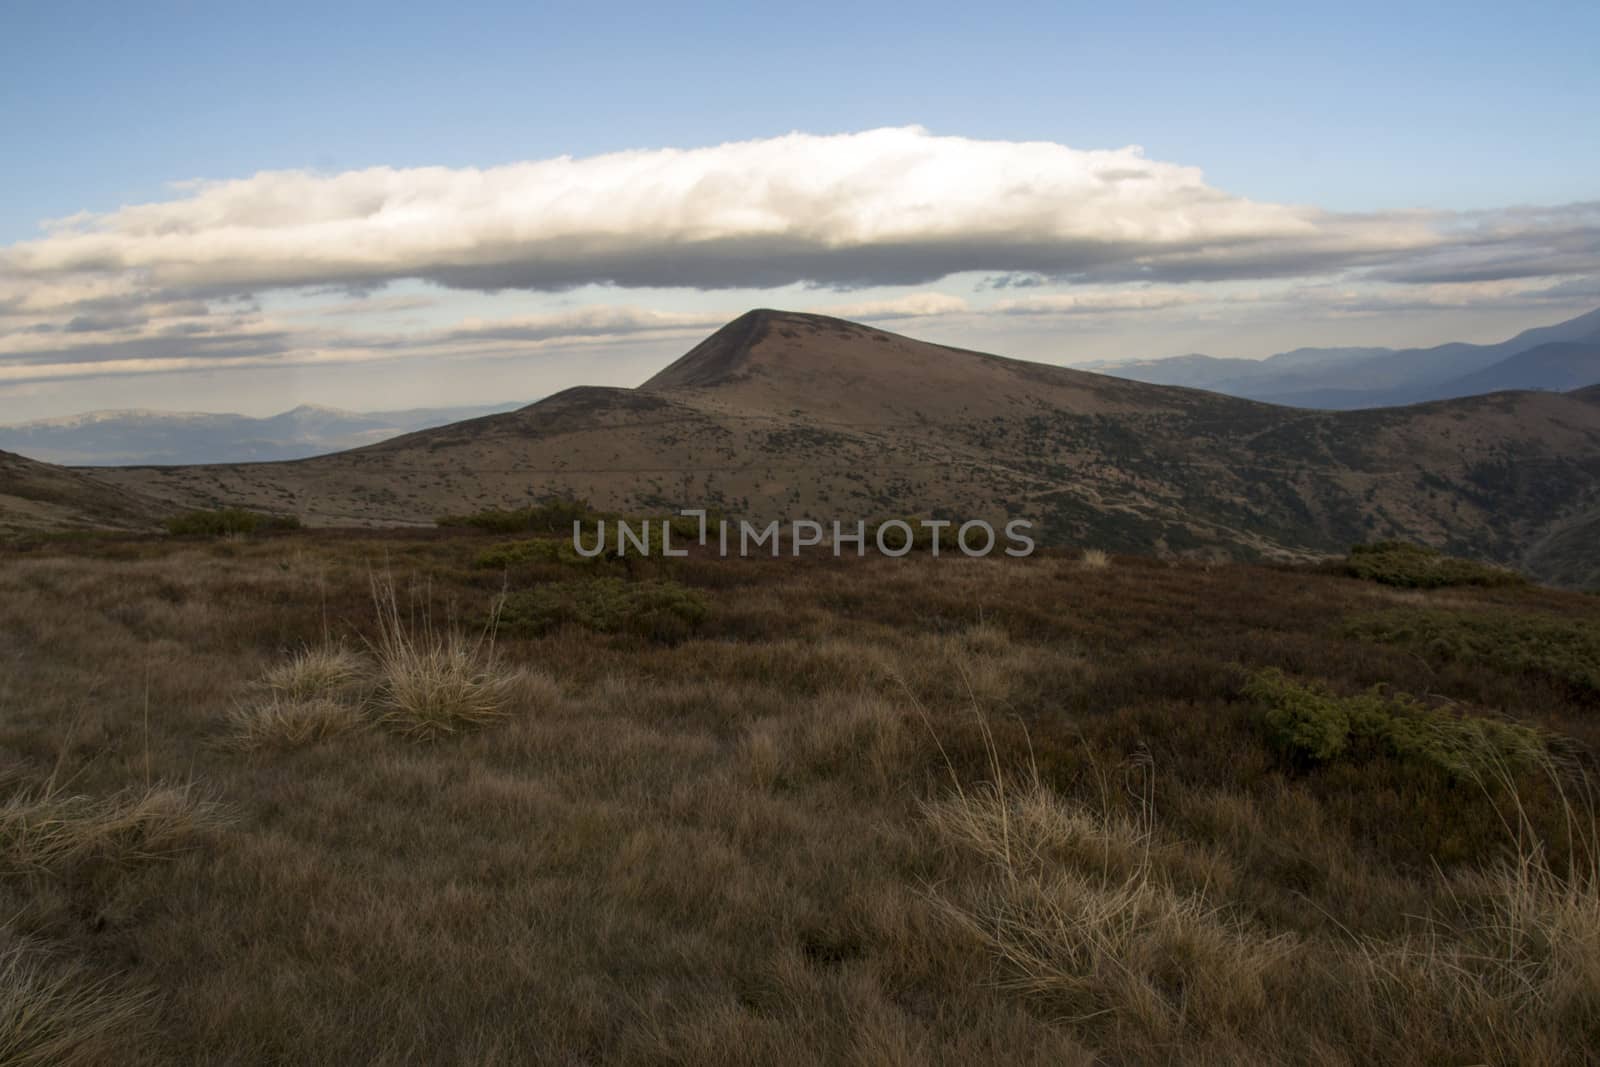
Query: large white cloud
{"type": "Point", "coordinates": [889, 206]}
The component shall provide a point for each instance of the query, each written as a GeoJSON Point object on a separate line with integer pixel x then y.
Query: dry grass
{"type": "Point", "coordinates": [434, 681]}
{"type": "Point", "coordinates": [787, 839]}
{"type": "Point", "coordinates": [1094, 559]}
{"type": "Point", "coordinates": [326, 671]}
{"type": "Point", "coordinates": [289, 722]}
{"type": "Point", "coordinates": [54, 1014]}
{"type": "Point", "coordinates": [46, 828]}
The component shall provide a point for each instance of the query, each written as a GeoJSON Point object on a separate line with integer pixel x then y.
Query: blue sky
{"type": "Point", "coordinates": [1347, 109]}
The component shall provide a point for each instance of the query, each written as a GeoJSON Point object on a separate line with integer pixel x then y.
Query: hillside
{"type": "Point", "coordinates": [787, 415]}
{"type": "Point", "coordinates": [1561, 366]}
{"type": "Point", "coordinates": [36, 496]}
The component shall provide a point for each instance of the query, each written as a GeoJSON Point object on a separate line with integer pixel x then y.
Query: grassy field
{"type": "Point", "coordinates": [328, 798]}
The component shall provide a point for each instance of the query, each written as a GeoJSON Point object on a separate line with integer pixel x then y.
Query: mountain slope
{"type": "Point", "coordinates": [780, 415]}
{"type": "Point", "coordinates": [38, 496]}
{"type": "Point", "coordinates": [122, 437]}
{"type": "Point", "coordinates": [1560, 365]}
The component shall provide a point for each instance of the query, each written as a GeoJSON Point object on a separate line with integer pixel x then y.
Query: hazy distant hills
{"type": "Point", "coordinates": [1560, 357]}
{"type": "Point", "coordinates": [104, 438]}
{"type": "Point", "coordinates": [781, 416]}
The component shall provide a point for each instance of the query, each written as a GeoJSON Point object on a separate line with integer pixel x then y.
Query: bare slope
{"type": "Point", "coordinates": [39, 496]}
{"type": "Point", "coordinates": [788, 415]}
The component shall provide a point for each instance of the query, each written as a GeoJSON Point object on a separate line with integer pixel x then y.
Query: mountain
{"type": "Point", "coordinates": [102, 438]}
{"type": "Point", "coordinates": [1349, 378]}
{"type": "Point", "coordinates": [36, 496]}
{"type": "Point", "coordinates": [782, 416]}
{"type": "Point", "coordinates": [1560, 365]}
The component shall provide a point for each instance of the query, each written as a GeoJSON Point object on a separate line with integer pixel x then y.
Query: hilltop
{"type": "Point", "coordinates": [780, 414]}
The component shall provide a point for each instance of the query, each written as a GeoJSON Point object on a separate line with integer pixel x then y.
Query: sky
{"type": "Point", "coordinates": [231, 207]}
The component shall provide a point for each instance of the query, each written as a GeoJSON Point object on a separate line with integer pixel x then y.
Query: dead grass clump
{"type": "Point", "coordinates": [283, 721]}
{"type": "Point", "coordinates": [434, 682]}
{"type": "Point", "coordinates": [45, 829]}
{"type": "Point", "coordinates": [54, 1014]}
{"type": "Point", "coordinates": [327, 671]}
{"type": "Point", "coordinates": [1094, 559]}
{"type": "Point", "coordinates": [1077, 915]}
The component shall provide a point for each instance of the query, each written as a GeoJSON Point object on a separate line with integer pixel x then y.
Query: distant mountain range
{"type": "Point", "coordinates": [118, 438]}
{"type": "Point", "coordinates": [1555, 358]}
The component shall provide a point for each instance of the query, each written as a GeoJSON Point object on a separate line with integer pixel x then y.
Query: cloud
{"type": "Point", "coordinates": [883, 207]}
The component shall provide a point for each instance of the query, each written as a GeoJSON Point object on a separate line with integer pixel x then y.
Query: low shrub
{"type": "Point", "coordinates": [1410, 566]}
{"type": "Point", "coordinates": [1313, 725]}
{"type": "Point", "coordinates": [221, 522]}
{"type": "Point", "coordinates": [1567, 650]}
{"type": "Point", "coordinates": [537, 550]}
{"type": "Point", "coordinates": [661, 610]}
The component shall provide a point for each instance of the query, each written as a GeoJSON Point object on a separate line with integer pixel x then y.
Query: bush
{"type": "Point", "coordinates": [538, 550]}
{"type": "Point", "coordinates": [1419, 567]}
{"type": "Point", "coordinates": [661, 610]}
{"type": "Point", "coordinates": [1567, 650]}
{"type": "Point", "coordinates": [223, 521]}
{"type": "Point", "coordinates": [1313, 725]}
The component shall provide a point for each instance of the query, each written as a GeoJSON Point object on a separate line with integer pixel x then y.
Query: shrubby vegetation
{"type": "Point", "coordinates": [659, 609]}
{"type": "Point", "coordinates": [1564, 649]}
{"type": "Point", "coordinates": [1420, 567]}
{"type": "Point", "coordinates": [536, 550]}
{"type": "Point", "coordinates": [1312, 725]}
{"type": "Point", "coordinates": [223, 521]}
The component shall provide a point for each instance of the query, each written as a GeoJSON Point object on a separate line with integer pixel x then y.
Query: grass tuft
{"type": "Point", "coordinates": [435, 682]}
{"type": "Point", "coordinates": [282, 721]}
{"type": "Point", "coordinates": [1094, 559]}
{"type": "Point", "coordinates": [54, 1014]}
{"type": "Point", "coordinates": [327, 671]}
{"type": "Point", "coordinates": [46, 829]}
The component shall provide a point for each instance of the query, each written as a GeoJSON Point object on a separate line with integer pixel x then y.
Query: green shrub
{"type": "Point", "coordinates": [537, 550]}
{"type": "Point", "coordinates": [1419, 567]}
{"type": "Point", "coordinates": [223, 521]}
{"type": "Point", "coordinates": [921, 536]}
{"type": "Point", "coordinates": [661, 610]}
{"type": "Point", "coordinates": [1313, 725]}
{"type": "Point", "coordinates": [1567, 650]}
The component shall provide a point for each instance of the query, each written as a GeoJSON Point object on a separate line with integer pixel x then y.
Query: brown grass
{"type": "Point", "coordinates": [787, 839]}
{"type": "Point", "coordinates": [54, 1014]}
{"type": "Point", "coordinates": [434, 681]}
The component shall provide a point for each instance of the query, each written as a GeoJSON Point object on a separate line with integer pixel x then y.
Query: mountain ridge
{"type": "Point", "coordinates": [785, 415]}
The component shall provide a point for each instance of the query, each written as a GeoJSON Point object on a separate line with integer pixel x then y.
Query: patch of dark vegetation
{"type": "Point", "coordinates": [1411, 566]}
{"type": "Point", "coordinates": [536, 550]}
{"type": "Point", "coordinates": [1312, 725]}
{"type": "Point", "coordinates": [658, 609]}
{"type": "Point", "coordinates": [1562, 649]}
{"type": "Point", "coordinates": [221, 522]}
